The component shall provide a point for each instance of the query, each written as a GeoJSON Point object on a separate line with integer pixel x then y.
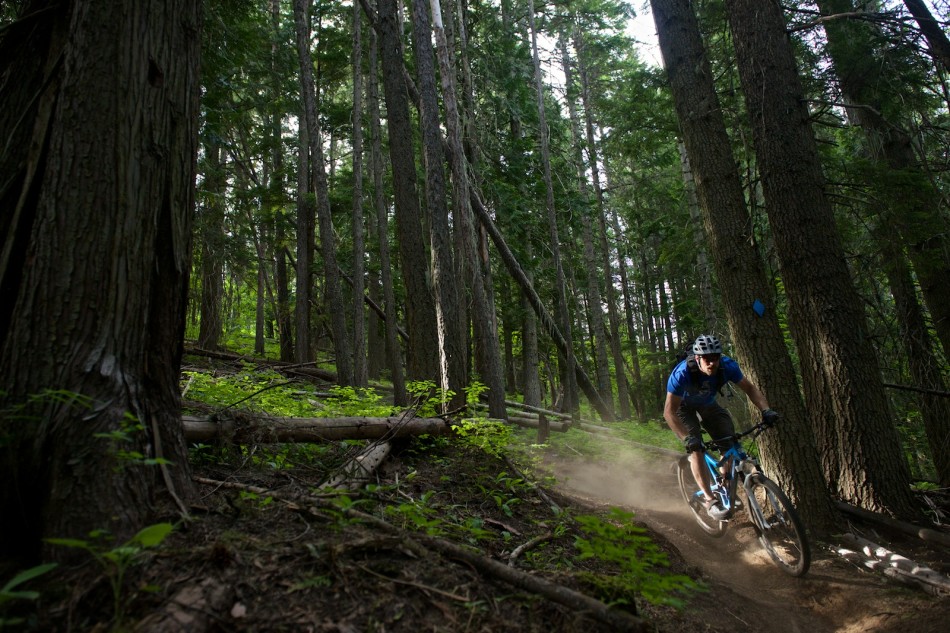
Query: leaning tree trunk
{"type": "Point", "coordinates": [547, 322]}
{"type": "Point", "coordinates": [839, 365]}
{"type": "Point", "coordinates": [790, 455]}
{"type": "Point", "coordinates": [487, 354]}
{"type": "Point", "coordinates": [936, 37]}
{"type": "Point", "coordinates": [99, 114]}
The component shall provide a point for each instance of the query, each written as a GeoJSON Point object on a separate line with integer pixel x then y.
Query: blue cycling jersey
{"type": "Point", "coordinates": [702, 392]}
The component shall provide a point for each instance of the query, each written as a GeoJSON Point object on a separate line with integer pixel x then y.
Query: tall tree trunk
{"type": "Point", "coordinates": [936, 38]}
{"type": "Point", "coordinates": [563, 308]}
{"type": "Point", "coordinates": [789, 453]}
{"type": "Point", "coordinates": [275, 186]}
{"type": "Point", "coordinates": [260, 304]}
{"type": "Point", "coordinates": [305, 245]}
{"type": "Point", "coordinates": [422, 351]}
{"type": "Point", "coordinates": [924, 367]}
{"type": "Point", "coordinates": [914, 205]}
{"type": "Point", "coordinates": [375, 322]}
{"type": "Point", "coordinates": [911, 209]}
{"type": "Point", "coordinates": [393, 351]}
{"type": "Point", "coordinates": [453, 359]}
{"type": "Point", "coordinates": [825, 311]}
{"type": "Point", "coordinates": [331, 272]}
{"type": "Point", "coordinates": [360, 377]}
{"type": "Point", "coordinates": [487, 354]}
{"type": "Point", "coordinates": [636, 393]}
{"type": "Point", "coordinates": [100, 120]}
{"type": "Point", "coordinates": [593, 164]}
{"type": "Point", "coordinates": [706, 299]}
{"type": "Point", "coordinates": [594, 296]}
{"type": "Point", "coordinates": [285, 331]}
{"type": "Point", "coordinates": [212, 242]}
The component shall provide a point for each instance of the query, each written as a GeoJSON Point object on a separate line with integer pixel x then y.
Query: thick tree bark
{"type": "Point", "coordinates": [789, 454]}
{"type": "Point", "coordinates": [97, 210]}
{"type": "Point", "coordinates": [453, 357]}
{"type": "Point", "coordinates": [422, 351]}
{"type": "Point", "coordinates": [840, 370]}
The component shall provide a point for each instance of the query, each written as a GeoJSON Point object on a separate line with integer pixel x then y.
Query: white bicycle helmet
{"type": "Point", "coordinates": [707, 344]}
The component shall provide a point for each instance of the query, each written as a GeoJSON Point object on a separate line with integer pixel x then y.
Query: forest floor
{"type": "Point", "coordinates": [267, 553]}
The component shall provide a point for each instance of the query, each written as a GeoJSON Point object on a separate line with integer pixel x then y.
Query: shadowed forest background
{"type": "Point", "coordinates": [489, 201]}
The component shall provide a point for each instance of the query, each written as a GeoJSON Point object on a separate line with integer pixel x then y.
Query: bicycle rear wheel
{"type": "Point", "coordinates": [780, 530]}
{"type": "Point", "coordinates": [693, 496]}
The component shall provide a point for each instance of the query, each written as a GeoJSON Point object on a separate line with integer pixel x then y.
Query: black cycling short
{"type": "Point", "coordinates": [715, 419]}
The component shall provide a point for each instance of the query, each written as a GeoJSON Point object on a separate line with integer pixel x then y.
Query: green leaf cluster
{"type": "Point", "coordinates": [642, 564]}
{"type": "Point", "coordinates": [116, 561]}
{"type": "Point", "coordinates": [10, 592]}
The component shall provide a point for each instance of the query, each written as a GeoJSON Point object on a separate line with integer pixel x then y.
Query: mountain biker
{"type": "Point", "coordinates": [691, 390]}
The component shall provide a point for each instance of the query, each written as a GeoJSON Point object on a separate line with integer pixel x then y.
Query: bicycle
{"type": "Point", "coordinates": [779, 530]}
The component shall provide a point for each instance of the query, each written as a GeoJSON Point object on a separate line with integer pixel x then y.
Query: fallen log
{"type": "Point", "coordinates": [360, 468]}
{"type": "Point", "coordinates": [548, 413]}
{"type": "Point", "coordinates": [534, 423]}
{"type": "Point", "coordinates": [923, 533]}
{"type": "Point", "coordinates": [300, 369]}
{"type": "Point", "coordinates": [534, 409]}
{"type": "Point", "coordinates": [265, 430]}
{"type": "Point", "coordinates": [896, 566]}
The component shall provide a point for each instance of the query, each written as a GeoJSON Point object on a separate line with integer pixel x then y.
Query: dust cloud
{"type": "Point", "coordinates": [627, 478]}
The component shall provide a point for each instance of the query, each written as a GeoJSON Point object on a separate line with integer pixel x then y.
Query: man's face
{"type": "Point", "coordinates": [708, 363]}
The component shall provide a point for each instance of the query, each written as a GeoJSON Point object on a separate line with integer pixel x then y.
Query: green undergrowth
{"type": "Point", "coordinates": [482, 487]}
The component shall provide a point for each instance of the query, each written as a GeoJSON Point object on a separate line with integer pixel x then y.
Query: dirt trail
{"type": "Point", "coordinates": [746, 588]}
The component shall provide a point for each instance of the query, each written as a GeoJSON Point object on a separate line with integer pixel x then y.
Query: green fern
{"type": "Point", "coordinates": [642, 564]}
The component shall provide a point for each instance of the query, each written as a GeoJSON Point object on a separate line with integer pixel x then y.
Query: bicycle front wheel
{"type": "Point", "coordinates": [780, 530]}
{"type": "Point", "coordinates": [693, 496]}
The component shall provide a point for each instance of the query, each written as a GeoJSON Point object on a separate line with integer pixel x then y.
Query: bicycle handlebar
{"type": "Point", "coordinates": [755, 431]}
